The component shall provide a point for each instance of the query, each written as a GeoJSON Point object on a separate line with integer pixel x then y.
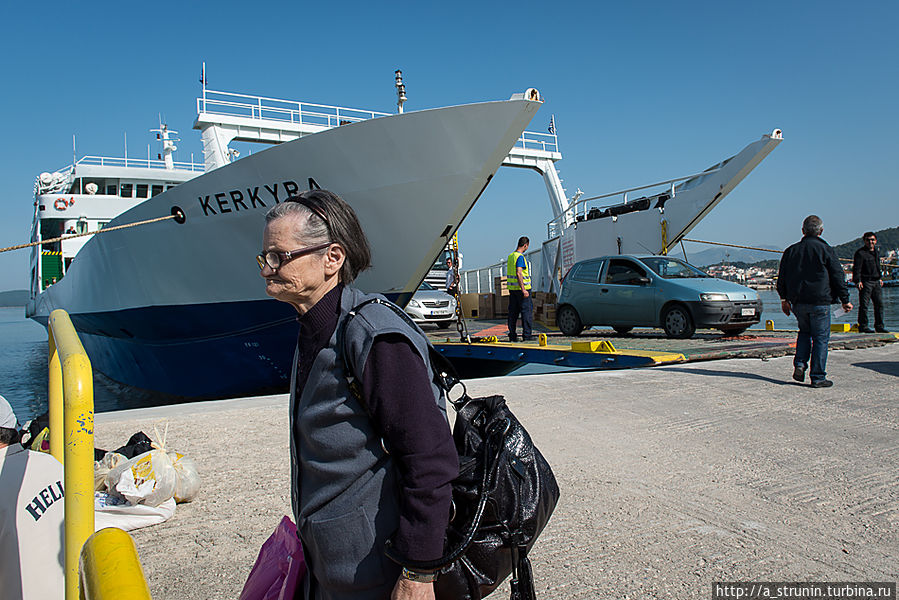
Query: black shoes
{"type": "Point", "coordinates": [881, 330]}
{"type": "Point", "coordinates": [822, 383]}
{"type": "Point", "coordinates": [799, 374]}
{"type": "Point", "coordinates": [865, 330]}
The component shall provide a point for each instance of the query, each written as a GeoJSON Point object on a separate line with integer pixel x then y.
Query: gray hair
{"type": "Point", "coordinates": [812, 225]}
{"type": "Point", "coordinates": [325, 217]}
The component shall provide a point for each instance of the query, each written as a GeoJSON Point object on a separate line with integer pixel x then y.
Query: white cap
{"type": "Point", "coordinates": [7, 416]}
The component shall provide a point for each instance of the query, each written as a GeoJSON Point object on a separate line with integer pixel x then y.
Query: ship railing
{"type": "Point", "coordinates": [535, 140]}
{"type": "Point", "coordinates": [144, 163]}
{"type": "Point", "coordinates": [579, 209]}
{"type": "Point", "coordinates": [275, 109]}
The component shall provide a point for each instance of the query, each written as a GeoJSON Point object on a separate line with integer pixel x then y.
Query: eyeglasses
{"type": "Point", "coordinates": [274, 260]}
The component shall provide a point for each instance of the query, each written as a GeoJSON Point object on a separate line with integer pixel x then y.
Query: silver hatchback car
{"type": "Point", "coordinates": [430, 305]}
{"type": "Point", "coordinates": [626, 291]}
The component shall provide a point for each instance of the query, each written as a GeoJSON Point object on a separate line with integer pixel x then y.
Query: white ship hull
{"type": "Point", "coordinates": [181, 308]}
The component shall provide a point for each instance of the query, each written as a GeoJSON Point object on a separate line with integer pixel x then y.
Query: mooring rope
{"type": "Point", "coordinates": [78, 235]}
{"type": "Point", "coordinates": [732, 245]}
{"type": "Point", "coordinates": [847, 260]}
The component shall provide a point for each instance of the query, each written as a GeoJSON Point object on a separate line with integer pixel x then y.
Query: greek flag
{"type": "Point", "coordinates": [552, 124]}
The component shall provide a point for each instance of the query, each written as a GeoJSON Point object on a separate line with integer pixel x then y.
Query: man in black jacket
{"type": "Point", "coordinates": [866, 276]}
{"type": "Point", "coordinates": [809, 281]}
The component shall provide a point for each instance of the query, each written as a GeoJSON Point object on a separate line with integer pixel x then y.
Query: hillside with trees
{"type": "Point", "coordinates": [887, 239]}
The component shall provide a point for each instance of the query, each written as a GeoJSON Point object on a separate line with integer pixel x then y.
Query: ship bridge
{"type": "Point", "coordinates": [223, 117]}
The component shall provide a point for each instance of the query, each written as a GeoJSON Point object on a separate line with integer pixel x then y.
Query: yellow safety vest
{"type": "Point", "coordinates": [512, 272]}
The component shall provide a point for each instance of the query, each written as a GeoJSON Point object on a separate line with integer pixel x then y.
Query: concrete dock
{"type": "Point", "coordinates": [672, 477]}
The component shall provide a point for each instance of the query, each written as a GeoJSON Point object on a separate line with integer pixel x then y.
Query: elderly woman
{"type": "Point", "coordinates": [369, 465]}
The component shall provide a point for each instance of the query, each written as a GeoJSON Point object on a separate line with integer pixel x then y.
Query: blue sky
{"type": "Point", "coordinates": [641, 92]}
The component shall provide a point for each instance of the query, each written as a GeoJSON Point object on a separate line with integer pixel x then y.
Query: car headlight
{"type": "Point", "coordinates": [713, 297]}
{"type": "Point", "coordinates": [414, 303]}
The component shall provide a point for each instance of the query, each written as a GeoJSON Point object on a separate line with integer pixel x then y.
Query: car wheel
{"type": "Point", "coordinates": [444, 324]}
{"type": "Point", "coordinates": [734, 330]}
{"type": "Point", "coordinates": [677, 322]}
{"type": "Point", "coordinates": [622, 330]}
{"type": "Point", "coordinates": [569, 321]}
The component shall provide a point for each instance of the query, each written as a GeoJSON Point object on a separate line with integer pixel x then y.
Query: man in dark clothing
{"type": "Point", "coordinates": [809, 281]}
{"type": "Point", "coordinates": [866, 276]}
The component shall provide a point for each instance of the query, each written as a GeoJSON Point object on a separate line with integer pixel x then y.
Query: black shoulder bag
{"type": "Point", "coordinates": [502, 499]}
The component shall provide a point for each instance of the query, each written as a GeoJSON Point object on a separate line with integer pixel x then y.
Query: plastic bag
{"type": "Point", "coordinates": [102, 468]}
{"type": "Point", "coordinates": [279, 568]}
{"type": "Point", "coordinates": [112, 511]}
{"type": "Point", "coordinates": [146, 479]}
{"type": "Point", "coordinates": [187, 480]}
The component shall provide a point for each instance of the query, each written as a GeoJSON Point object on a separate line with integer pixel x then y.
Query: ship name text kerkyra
{"type": "Point", "coordinates": [250, 197]}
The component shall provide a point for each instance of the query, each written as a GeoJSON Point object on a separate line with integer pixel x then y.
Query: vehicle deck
{"type": "Point", "coordinates": [641, 347]}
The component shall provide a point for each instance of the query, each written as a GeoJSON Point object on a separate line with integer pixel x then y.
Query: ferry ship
{"type": "Point", "coordinates": [177, 306]}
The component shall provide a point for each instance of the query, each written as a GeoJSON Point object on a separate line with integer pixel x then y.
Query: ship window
{"type": "Point", "coordinates": [155, 190]}
{"type": "Point", "coordinates": [142, 190]}
{"type": "Point", "coordinates": [126, 190]}
{"type": "Point", "coordinates": [110, 190]}
{"type": "Point", "coordinates": [81, 226]}
{"type": "Point", "coordinates": [169, 186]}
{"type": "Point", "coordinates": [101, 224]}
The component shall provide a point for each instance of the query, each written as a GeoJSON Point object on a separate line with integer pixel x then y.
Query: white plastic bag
{"type": "Point", "coordinates": [145, 479]}
{"type": "Point", "coordinates": [103, 466]}
{"type": "Point", "coordinates": [111, 511]}
{"type": "Point", "coordinates": [187, 480]}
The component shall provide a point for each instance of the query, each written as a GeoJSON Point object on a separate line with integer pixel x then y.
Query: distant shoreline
{"type": "Point", "coordinates": [13, 298]}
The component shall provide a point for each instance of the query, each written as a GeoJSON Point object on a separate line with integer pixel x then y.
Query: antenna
{"type": "Point", "coordinates": [74, 154]}
{"type": "Point", "coordinates": [400, 91]}
{"type": "Point", "coordinates": [203, 82]}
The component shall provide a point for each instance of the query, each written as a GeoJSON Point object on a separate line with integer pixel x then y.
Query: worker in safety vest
{"type": "Point", "coordinates": [518, 280]}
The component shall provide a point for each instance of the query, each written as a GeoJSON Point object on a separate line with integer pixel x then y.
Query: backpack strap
{"type": "Point", "coordinates": [444, 374]}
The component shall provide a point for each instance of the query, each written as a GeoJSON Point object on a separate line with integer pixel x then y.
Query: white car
{"type": "Point", "coordinates": [430, 305]}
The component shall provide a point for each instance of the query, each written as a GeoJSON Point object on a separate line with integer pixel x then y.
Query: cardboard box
{"type": "Point", "coordinates": [500, 287]}
{"type": "Point", "coordinates": [485, 306]}
{"type": "Point", "coordinates": [470, 305]}
{"type": "Point", "coordinates": [501, 305]}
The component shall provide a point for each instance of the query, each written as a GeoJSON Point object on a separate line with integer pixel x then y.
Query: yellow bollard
{"type": "Point", "coordinates": [541, 339]}
{"type": "Point", "coordinates": [600, 346]}
{"type": "Point", "coordinates": [78, 428]}
{"type": "Point", "coordinates": [769, 325]}
{"type": "Point", "coordinates": [110, 568]}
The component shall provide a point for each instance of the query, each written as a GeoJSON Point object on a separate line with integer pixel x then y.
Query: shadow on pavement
{"type": "Point", "coordinates": [887, 367]}
{"type": "Point", "coordinates": [714, 373]}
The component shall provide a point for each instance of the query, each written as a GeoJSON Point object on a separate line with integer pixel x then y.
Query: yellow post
{"type": "Point", "coordinates": [769, 325]}
{"type": "Point", "coordinates": [54, 389]}
{"type": "Point", "coordinates": [78, 427]}
{"type": "Point", "coordinates": [111, 568]}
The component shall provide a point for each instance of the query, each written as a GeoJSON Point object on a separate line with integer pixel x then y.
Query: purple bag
{"type": "Point", "coordinates": [279, 568]}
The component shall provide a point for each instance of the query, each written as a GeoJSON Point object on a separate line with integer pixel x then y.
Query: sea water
{"type": "Point", "coordinates": [23, 357]}
{"type": "Point", "coordinates": [24, 372]}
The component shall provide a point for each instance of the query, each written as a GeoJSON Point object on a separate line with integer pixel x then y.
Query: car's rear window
{"type": "Point", "coordinates": [588, 272]}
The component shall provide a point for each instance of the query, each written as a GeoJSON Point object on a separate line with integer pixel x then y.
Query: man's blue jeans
{"type": "Point", "coordinates": [814, 333]}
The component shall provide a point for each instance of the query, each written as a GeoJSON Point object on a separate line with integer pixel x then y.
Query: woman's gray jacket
{"type": "Point", "coordinates": [344, 485]}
